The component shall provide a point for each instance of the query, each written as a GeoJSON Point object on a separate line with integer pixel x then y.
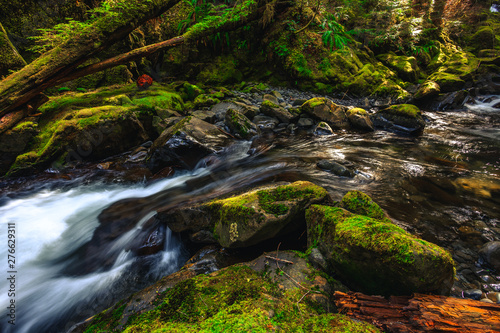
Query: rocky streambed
{"type": "Point", "coordinates": [384, 199]}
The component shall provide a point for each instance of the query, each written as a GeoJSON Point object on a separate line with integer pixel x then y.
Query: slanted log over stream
{"type": "Point", "coordinates": [420, 313]}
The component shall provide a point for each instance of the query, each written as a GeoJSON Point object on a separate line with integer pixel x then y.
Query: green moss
{"type": "Point", "coordinates": [205, 100]}
{"type": "Point", "coordinates": [240, 124]}
{"type": "Point", "coordinates": [300, 190]}
{"type": "Point", "coordinates": [404, 110]}
{"type": "Point", "coordinates": [355, 111]}
{"type": "Point", "coordinates": [25, 125]}
{"type": "Point", "coordinates": [159, 98]}
{"type": "Point", "coordinates": [235, 299]}
{"type": "Point", "coordinates": [360, 203]}
{"type": "Point", "coordinates": [270, 104]}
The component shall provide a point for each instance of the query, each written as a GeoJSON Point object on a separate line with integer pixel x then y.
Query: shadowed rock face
{"type": "Point", "coordinates": [186, 143]}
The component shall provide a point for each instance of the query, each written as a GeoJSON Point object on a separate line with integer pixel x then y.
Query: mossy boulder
{"type": "Point", "coordinates": [72, 135]}
{"type": "Point", "coordinates": [185, 144]}
{"type": "Point", "coordinates": [325, 110]}
{"type": "Point", "coordinates": [205, 100]}
{"type": "Point", "coordinates": [234, 299]}
{"type": "Point", "coordinates": [14, 141]}
{"type": "Point", "coordinates": [427, 90]}
{"type": "Point", "coordinates": [375, 256]}
{"type": "Point", "coordinates": [401, 118]}
{"type": "Point", "coordinates": [251, 217]}
{"type": "Point", "coordinates": [158, 96]}
{"type": "Point", "coordinates": [190, 91]}
{"type": "Point", "coordinates": [240, 125]}
{"type": "Point", "coordinates": [484, 38]}
{"type": "Point", "coordinates": [360, 203]}
{"type": "Point", "coordinates": [271, 109]}
{"type": "Point", "coordinates": [405, 66]}
{"type": "Point", "coordinates": [447, 82]}
{"type": "Point", "coordinates": [359, 119]}
{"type": "Point", "coordinates": [10, 59]}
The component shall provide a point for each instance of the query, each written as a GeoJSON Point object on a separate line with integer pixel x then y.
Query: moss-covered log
{"type": "Point", "coordinates": [61, 63]}
{"type": "Point", "coordinates": [114, 25]}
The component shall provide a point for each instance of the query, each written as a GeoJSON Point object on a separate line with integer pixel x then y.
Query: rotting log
{"type": "Point", "coordinates": [420, 313]}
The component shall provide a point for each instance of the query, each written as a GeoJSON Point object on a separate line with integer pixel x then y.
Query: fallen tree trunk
{"type": "Point", "coordinates": [114, 25]}
{"type": "Point", "coordinates": [15, 96]}
{"type": "Point", "coordinates": [421, 313]}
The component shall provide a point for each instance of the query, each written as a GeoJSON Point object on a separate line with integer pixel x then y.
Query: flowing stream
{"type": "Point", "coordinates": [443, 186]}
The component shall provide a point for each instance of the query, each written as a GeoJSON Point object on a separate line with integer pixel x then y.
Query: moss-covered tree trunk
{"type": "Point", "coordinates": [116, 23]}
{"type": "Point", "coordinates": [60, 64]}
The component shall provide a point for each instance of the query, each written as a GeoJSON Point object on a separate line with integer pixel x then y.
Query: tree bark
{"type": "Point", "coordinates": [421, 313]}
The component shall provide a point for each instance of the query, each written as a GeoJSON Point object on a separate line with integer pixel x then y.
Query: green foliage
{"type": "Point", "coordinates": [107, 14]}
{"type": "Point", "coordinates": [58, 34]}
{"type": "Point", "coordinates": [280, 50]}
{"type": "Point", "coordinates": [334, 35]}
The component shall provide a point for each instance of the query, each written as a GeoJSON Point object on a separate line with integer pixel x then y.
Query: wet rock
{"type": "Point", "coordinates": [271, 98]}
{"type": "Point", "coordinates": [427, 91]}
{"type": "Point", "coordinates": [490, 253]}
{"type": "Point", "coordinates": [327, 111]}
{"type": "Point", "coordinates": [240, 125]}
{"type": "Point", "coordinates": [249, 218]}
{"type": "Point", "coordinates": [305, 122]}
{"type": "Point", "coordinates": [202, 237]}
{"type": "Point", "coordinates": [317, 259]}
{"type": "Point", "coordinates": [475, 294]}
{"type": "Point", "coordinates": [154, 242]}
{"type": "Point", "coordinates": [494, 297]}
{"type": "Point", "coordinates": [273, 110]}
{"type": "Point", "coordinates": [265, 122]}
{"type": "Point", "coordinates": [185, 143]}
{"type": "Point", "coordinates": [207, 116]}
{"type": "Point", "coordinates": [209, 259]}
{"type": "Point", "coordinates": [376, 256]}
{"type": "Point", "coordinates": [335, 168]}
{"type": "Point", "coordinates": [451, 101]}
{"type": "Point", "coordinates": [246, 109]}
{"type": "Point", "coordinates": [402, 118]}
{"type": "Point", "coordinates": [359, 119]}
{"type": "Point", "coordinates": [486, 300]}
{"type": "Point", "coordinates": [323, 129]}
